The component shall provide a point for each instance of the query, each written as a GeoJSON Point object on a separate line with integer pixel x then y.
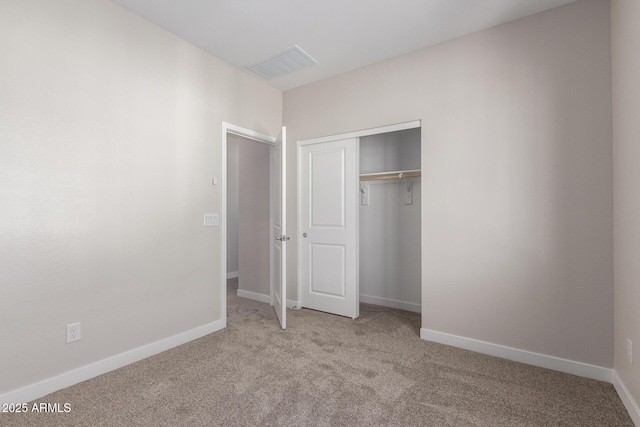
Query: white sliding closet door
{"type": "Point", "coordinates": [328, 226]}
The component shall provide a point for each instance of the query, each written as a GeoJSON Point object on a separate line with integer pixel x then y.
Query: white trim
{"type": "Point", "coordinates": [247, 133]}
{"type": "Point", "coordinates": [272, 222]}
{"type": "Point", "coordinates": [299, 224]}
{"type": "Point", "coordinates": [388, 302]}
{"type": "Point", "coordinates": [358, 227]}
{"type": "Point", "coordinates": [255, 296]}
{"type": "Point", "coordinates": [232, 275]}
{"type": "Point", "coordinates": [536, 359]}
{"type": "Point", "coordinates": [365, 132]}
{"type": "Point", "coordinates": [228, 128]}
{"type": "Point", "coordinates": [223, 223]}
{"type": "Point", "coordinates": [630, 404]}
{"type": "Point", "coordinates": [67, 379]}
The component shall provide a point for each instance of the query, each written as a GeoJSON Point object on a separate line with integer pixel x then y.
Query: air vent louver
{"type": "Point", "coordinates": [287, 61]}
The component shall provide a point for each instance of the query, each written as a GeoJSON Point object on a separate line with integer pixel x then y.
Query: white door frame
{"type": "Point", "coordinates": [227, 129]}
{"type": "Point", "coordinates": [355, 134]}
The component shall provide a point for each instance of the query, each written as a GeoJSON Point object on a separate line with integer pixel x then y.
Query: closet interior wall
{"type": "Point", "coordinates": [390, 237]}
{"type": "Point", "coordinates": [248, 241]}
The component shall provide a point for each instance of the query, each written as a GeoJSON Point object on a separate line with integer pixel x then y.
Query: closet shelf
{"type": "Point", "coordinates": [414, 173]}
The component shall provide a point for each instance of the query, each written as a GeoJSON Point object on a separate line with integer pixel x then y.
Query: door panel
{"type": "Point", "coordinates": [328, 226]}
{"type": "Point", "coordinates": [327, 189]}
{"type": "Point", "coordinates": [329, 282]}
{"type": "Point", "coordinates": [280, 230]}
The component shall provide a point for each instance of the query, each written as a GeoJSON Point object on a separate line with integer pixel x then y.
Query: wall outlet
{"type": "Point", "coordinates": [73, 332]}
{"type": "Point", "coordinates": [630, 351]}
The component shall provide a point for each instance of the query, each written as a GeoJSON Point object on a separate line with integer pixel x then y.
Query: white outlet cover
{"type": "Point", "coordinates": [74, 332]}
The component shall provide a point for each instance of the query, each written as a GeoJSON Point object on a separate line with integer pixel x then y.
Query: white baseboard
{"type": "Point", "coordinates": [388, 302]}
{"type": "Point", "coordinates": [523, 356]}
{"type": "Point", "coordinates": [232, 275]}
{"type": "Point", "coordinates": [627, 399]}
{"type": "Point", "coordinates": [43, 388]}
{"type": "Point", "coordinates": [255, 296]}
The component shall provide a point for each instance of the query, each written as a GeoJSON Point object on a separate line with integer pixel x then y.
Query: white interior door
{"type": "Point", "coordinates": [328, 194]}
{"type": "Point", "coordinates": [279, 297]}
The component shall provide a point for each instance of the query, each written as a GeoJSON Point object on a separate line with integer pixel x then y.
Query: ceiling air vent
{"type": "Point", "coordinates": [287, 61]}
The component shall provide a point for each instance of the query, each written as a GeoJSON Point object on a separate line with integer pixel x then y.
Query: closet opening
{"type": "Point", "coordinates": [359, 220]}
{"type": "Point", "coordinates": [389, 219]}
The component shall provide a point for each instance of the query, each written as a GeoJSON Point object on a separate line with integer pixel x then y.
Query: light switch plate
{"type": "Point", "coordinates": [211, 220]}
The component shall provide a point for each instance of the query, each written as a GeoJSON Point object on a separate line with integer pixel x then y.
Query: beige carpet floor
{"type": "Point", "coordinates": [327, 370]}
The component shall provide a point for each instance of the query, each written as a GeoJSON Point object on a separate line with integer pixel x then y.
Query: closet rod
{"type": "Point", "coordinates": [391, 176]}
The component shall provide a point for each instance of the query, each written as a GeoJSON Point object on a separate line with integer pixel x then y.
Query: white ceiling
{"type": "Point", "coordinates": [340, 34]}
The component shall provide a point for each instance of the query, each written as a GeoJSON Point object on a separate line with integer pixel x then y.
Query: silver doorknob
{"type": "Point", "coordinates": [304, 234]}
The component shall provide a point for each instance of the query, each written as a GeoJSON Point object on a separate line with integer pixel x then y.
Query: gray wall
{"type": "Point", "coordinates": [390, 151]}
{"type": "Point", "coordinates": [517, 176]}
{"type": "Point", "coordinates": [233, 166]}
{"type": "Point", "coordinates": [254, 243]}
{"type": "Point", "coordinates": [389, 228]}
{"type": "Point", "coordinates": [110, 133]}
{"type": "Point", "coordinates": [625, 15]}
